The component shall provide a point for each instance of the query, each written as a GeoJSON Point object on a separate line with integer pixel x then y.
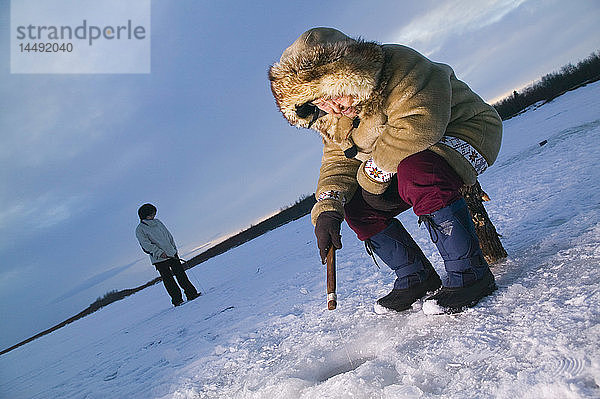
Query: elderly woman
{"type": "Point", "coordinates": [399, 131]}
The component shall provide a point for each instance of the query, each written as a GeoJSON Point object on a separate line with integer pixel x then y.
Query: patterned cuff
{"type": "Point", "coordinates": [375, 173]}
{"type": "Point", "coordinates": [326, 205]}
{"type": "Point", "coordinates": [468, 151]}
{"type": "Point", "coordinates": [331, 194]}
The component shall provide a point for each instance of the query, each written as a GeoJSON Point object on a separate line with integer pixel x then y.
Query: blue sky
{"type": "Point", "coordinates": [200, 136]}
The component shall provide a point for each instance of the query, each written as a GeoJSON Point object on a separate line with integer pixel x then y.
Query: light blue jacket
{"type": "Point", "coordinates": [155, 240]}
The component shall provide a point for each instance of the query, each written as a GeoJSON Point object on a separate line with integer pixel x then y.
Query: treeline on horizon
{"type": "Point", "coordinates": [551, 86]}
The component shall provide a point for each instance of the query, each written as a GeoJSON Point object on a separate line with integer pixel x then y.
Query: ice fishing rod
{"type": "Point", "coordinates": [331, 295]}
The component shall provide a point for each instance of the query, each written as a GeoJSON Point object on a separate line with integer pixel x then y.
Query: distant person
{"type": "Point", "coordinates": [399, 131]}
{"type": "Point", "coordinates": [158, 242]}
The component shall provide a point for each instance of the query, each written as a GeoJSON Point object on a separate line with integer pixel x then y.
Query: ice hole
{"type": "Point", "coordinates": [342, 368]}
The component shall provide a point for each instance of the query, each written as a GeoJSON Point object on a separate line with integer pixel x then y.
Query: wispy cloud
{"type": "Point", "coordinates": [429, 31]}
{"type": "Point", "coordinates": [45, 124]}
{"type": "Point", "coordinates": [38, 214]}
{"type": "Point", "coordinates": [95, 280]}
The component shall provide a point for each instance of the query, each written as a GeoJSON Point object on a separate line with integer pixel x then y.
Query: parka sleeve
{"type": "Point", "coordinates": [337, 181]}
{"type": "Point", "coordinates": [418, 112]}
{"type": "Point", "coordinates": [147, 245]}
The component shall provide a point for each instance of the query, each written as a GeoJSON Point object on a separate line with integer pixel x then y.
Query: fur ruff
{"type": "Point", "coordinates": [329, 70]}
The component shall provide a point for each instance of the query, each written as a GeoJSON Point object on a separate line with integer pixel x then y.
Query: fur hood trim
{"type": "Point", "coordinates": [326, 69]}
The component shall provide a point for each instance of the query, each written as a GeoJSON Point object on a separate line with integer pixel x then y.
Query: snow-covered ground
{"type": "Point", "coordinates": [262, 329]}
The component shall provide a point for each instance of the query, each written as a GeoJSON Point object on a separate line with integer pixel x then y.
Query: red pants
{"type": "Point", "coordinates": [425, 182]}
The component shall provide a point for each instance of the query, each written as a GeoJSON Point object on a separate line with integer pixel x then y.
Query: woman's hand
{"type": "Point", "coordinates": [327, 231]}
{"type": "Point", "coordinates": [337, 106]}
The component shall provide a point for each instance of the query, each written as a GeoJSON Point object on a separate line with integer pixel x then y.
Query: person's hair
{"type": "Point", "coordinates": [146, 210]}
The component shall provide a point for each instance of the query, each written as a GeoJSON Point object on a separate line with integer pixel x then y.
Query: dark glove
{"type": "Point", "coordinates": [389, 201]}
{"type": "Point", "coordinates": [327, 230]}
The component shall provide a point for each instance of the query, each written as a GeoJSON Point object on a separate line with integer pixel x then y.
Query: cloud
{"type": "Point", "coordinates": [95, 280]}
{"type": "Point", "coordinates": [38, 214]}
{"type": "Point", "coordinates": [46, 124]}
{"type": "Point", "coordinates": [9, 278]}
{"type": "Point", "coordinates": [428, 32]}
{"type": "Point", "coordinates": [47, 211]}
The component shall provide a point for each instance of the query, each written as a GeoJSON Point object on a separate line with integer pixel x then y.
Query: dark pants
{"type": "Point", "coordinates": [425, 182]}
{"type": "Point", "coordinates": [167, 269]}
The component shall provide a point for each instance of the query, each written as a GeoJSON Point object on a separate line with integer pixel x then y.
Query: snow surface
{"type": "Point", "coordinates": [431, 307]}
{"type": "Point", "coordinates": [261, 329]}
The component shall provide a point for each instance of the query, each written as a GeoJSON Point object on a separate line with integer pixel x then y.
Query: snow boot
{"type": "Point", "coordinates": [403, 298]}
{"type": "Point", "coordinates": [456, 299]}
{"type": "Point", "coordinates": [468, 275]}
{"type": "Point", "coordinates": [191, 297]}
{"type": "Point", "coordinates": [177, 302]}
{"type": "Point", "coordinates": [415, 275]}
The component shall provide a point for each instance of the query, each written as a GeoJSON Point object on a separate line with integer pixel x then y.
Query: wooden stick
{"type": "Point", "coordinates": [331, 295]}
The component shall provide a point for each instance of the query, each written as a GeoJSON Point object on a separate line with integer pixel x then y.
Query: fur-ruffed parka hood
{"type": "Point", "coordinates": [324, 62]}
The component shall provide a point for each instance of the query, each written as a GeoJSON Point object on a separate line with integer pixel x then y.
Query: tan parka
{"type": "Point", "coordinates": [406, 104]}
